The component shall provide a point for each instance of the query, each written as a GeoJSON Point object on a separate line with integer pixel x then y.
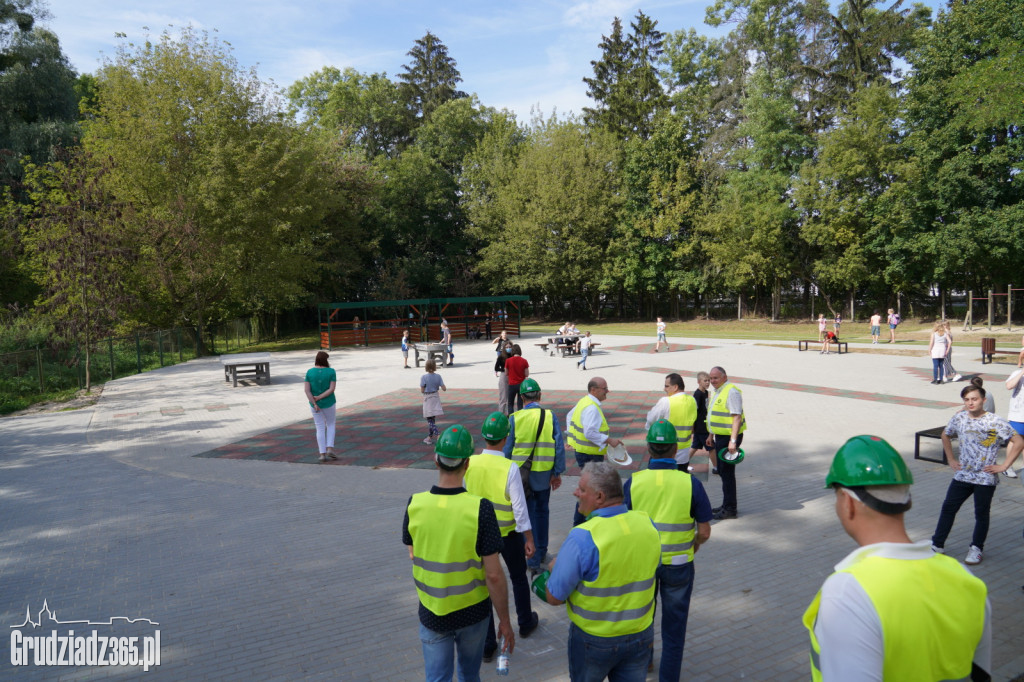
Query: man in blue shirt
{"type": "Point", "coordinates": [681, 511]}
{"type": "Point", "coordinates": [535, 437]}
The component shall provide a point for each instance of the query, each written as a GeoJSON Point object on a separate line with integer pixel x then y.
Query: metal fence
{"type": "Point", "coordinates": [31, 375]}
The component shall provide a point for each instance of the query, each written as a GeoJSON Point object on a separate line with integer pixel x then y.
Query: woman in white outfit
{"type": "Point", "coordinates": [937, 348]}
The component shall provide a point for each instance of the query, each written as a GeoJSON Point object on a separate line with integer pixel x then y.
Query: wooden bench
{"type": "Point", "coordinates": [937, 434]}
{"type": "Point", "coordinates": [988, 349]}
{"type": "Point", "coordinates": [841, 346]}
{"type": "Point", "coordinates": [258, 364]}
{"type": "Point", "coordinates": [431, 351]}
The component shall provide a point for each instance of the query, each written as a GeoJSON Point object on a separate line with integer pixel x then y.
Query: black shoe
{"type": "Point", "coordinates": [489, 653]}
{"type": "Point", "coordinates": [715, 510]}
{"type": "Point", "coordinates": [527, 630]}
{"type": "Point", "coordinates": [725, 514]}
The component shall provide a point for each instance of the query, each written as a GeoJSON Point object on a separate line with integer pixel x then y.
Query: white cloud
{"type": "Point", "coordinates": [593, 13]}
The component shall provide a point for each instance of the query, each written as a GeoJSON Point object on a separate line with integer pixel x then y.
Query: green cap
{"type": "Point", "coordinates": [662, 431]}
{"type": "Point", "coordinates": [455, 442]}
{"type": "Point", "coordinates": [867, 461]}
{"type": "Point", "coordinates": [495, 426]}
{"type": "Point", "coordinates": [529, 386]}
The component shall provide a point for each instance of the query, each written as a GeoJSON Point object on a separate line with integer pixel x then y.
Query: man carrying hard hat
{"type": "Point", "coordinates": [535, 444]}
{"type": "Point", "coordinates": [496, 479]}
{"type": "Point", "coordinates": [454, 541]}
{"type": "Point", "coordinates": [588, 429]}
{"type": "Point", "coordinates": [681, 511]}
{"type": "Point", "coordinates": [893, 610]}
{"type": "Point", "coordinates": [726, 424]}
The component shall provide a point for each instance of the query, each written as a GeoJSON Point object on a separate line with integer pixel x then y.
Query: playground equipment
{"type": "Point", "coordinates": [991, 300]}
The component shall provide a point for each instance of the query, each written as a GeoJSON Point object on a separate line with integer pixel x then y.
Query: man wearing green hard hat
{"type": "Point", "coordinates": [495, 478]}
{"type": "Point", "coordinates": [454, 540]}
{"type": "Point", "coordinates": [893, 610]}
{"type": "Point", "coordinates": [536, 446]}
{"type": "Point", "coordinates": [681, 512]}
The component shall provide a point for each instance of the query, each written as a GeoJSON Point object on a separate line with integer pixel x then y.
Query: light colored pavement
{"type": "Point", "coordinates": [267, 570]}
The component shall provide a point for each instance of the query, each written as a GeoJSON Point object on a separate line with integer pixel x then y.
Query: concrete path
{"type": "Point", "coordinates": [264, 570]}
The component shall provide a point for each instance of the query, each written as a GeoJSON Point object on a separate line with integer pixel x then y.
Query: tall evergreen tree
{"type": "Point", "coordinates": [431, 78]}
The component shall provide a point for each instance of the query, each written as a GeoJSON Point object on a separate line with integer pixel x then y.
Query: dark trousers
{"type": "Point", "coordinates": [513, 551]}
{"type": "Point", "coordinates": [514, 398]}
{"type": "Point", "coordinates": [581, 460]}
{"type": "Point", "coordinates": [956, 495]}
{"type": "Point", "coordinates": [538, 506]}
{"type": "Point", "coordinates": [727, 472]}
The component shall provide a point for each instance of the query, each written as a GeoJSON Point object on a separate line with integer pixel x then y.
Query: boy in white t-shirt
{"type": "Point", "coordinates": [584, 350]}
{"type": "Point", "coordinates": [661, 337]}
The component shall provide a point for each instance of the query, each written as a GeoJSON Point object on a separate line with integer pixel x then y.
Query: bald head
{"type": "Point", "coordinates": [598, 388]}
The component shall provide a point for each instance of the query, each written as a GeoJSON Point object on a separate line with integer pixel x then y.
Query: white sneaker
{"type": "Point", "coordinates": [1010, 473]}
{"type": "Point", "coordinates": [428, 441]}
{"type": "Point", "coordinates": [957, 378]}
{"type": "Point", "coordinates": [973, 556]}
{"type": "Point", "coordinates": [938, 550]}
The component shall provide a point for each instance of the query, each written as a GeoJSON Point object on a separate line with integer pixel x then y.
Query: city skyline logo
{"type": "Point", "coordinates": [52, 617]}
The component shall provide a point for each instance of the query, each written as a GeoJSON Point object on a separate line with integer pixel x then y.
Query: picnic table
{"type": "Point", "coordinates": [257, 364]}
{"type": "Point", "coordinates": [564, 345]}
{"type": "Point", "coordinates": [431, 351]}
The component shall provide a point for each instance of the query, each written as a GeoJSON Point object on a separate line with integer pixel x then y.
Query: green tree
{"type": "Point", "coordinates": [431, 78]}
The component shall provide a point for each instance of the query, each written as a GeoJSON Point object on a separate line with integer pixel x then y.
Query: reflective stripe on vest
{"type": "Point", "coordinates": [487, 477]}
{"type": "Point", "coordinates": [932, 613]}
{"type": "Point", "coordinates": [667, 495]}
{"type": "Point", "coordinates": [577, 441]}
{"type": "Point", "coordinates": [621, 600]}
{"type": "Point", "coordinates": [682, 413]}
{"type": "Point", "coordinates": [526, 421]}
{"type": "Point", "coordinates": [719, 417]}
{"type": "Point", "coordinates": [448, 573]}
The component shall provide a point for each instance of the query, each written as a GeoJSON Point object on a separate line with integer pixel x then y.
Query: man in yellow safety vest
{"type": "Point", "coordinates": [726, 424]}
{"type": "Point", "coordinates": [454, 540]}
{"type": "Point", "coordinates": [587, 429]}
{"type": "Point", "coordinates": [680, 410]}
{"type": "Point", "coordinates": [893, 610]}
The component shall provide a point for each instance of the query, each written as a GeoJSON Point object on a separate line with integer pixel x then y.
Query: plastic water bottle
{"type": "Point", "coordinates": [504, 658]}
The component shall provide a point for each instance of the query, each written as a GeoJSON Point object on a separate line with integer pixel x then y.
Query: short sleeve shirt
{"type": "Point", "coordinates": [431, 382]}
{"type": "Point", "coordinates": [979, 445]}
{"type": "Point", "coordinates": [320, 379]}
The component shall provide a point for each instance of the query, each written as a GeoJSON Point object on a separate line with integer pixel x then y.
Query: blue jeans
{"type": "Point", "coordinates": [675, 586]}
{"type": "Point", "coordinates": [937, 369]}
{"type": "Point", "coordinates": [620, 659]}
{"type": "Point", "coordinates": [440, 648]}
{"type": "Point", "coordinates": [584, 352]}
{"type": "Point", "coordinates": [537, 505]}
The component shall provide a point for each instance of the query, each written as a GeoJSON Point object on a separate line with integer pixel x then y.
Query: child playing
{"type": "Point", "coordinates": [429, 384]}
{"type": "Point", "coordinates": [821, 327]}
{"type": "Point", "coordinates": [405, 348]}
{"type": "Point", "coordinates": [661, 337]}
{"type": "Point", "coordinates": [836, 322]}
{"type": "Point", "coordinates": [980, 434]}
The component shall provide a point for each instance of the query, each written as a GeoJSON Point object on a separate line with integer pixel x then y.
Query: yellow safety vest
{"type": "Point", "coordinates": [932, 613]}
{"type": "Point", "coordinates": [621, 600]}
{"type": "Point", "coordinates": [526, 421]}
{"type": "Point", "coordinates": [487, 477]}
{"type": "Point", "coordinates": [666, 495]}
{"type": "Point", "coordinates": [448, 573]}
{"type": "Point", "coordinates": [576, 438]}
{"type": "Point", "coordinates": [682, 413]}
{"type": "Point", "coordinates": [719, 417]}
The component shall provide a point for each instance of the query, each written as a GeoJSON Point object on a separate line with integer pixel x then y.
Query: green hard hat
{"type": "Point", "coordinates": [866, 461]}
{"type": "Point", "coordinates": [529, 386]}
{"type": "Point", "coordinates": [455, 442]}
{"type": "Point", "coordinates": [662, 431]}
{"type": "Point", "coordinates": [495, 426]}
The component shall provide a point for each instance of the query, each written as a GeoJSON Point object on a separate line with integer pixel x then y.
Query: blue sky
{"type": "Point", "coordinates": [513, 54]}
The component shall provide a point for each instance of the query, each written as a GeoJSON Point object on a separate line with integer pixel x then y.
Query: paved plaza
{"type": "Point", "coordinates": [199, 510]}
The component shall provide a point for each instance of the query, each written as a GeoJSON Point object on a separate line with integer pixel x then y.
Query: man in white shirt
{"type": "Point", "coordinates": [587, 429]}
{"type": "Point", "coordinates": [680, 410]}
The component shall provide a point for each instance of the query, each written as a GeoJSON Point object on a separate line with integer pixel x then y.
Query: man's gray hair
{"type": "Point", "coordinates": [720, 369]}
{"type": "Point", "coordinates": [604, 478]}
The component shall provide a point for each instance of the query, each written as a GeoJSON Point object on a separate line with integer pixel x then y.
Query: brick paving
{"type": "Point", "coordinates": [175, 498]}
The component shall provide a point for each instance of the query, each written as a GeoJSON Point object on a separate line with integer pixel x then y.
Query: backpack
{"type": "Point", "coordinates": [896, 319]}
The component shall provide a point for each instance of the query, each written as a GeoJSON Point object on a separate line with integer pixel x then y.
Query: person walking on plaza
{"type": "Point", "coordinates": [535, 445]}
{"type": "Point", "coordinates": [446, 340]}
{"type": "Point", "coordinates": [980, 434]}
{"type": "Point", "coordinates": [496, 479]}
{"type": "Point", "coordinates": [454, 541]}
{"type": "Point", "coordinates": [680, 410]}
{"type": "Point", "coordinates": [937, 347]}
{"type": "Point", "coordinates": [661, 337]}
{"type": "Point", "coordinates": [584, 347]}
{"type": "Point", "coordinates": [947, 362]}
{"type": "Point", "coordinates": [893, 321]}
{"type": "Point", "coordinates": [499, 371]}
{"type": "Point", "coordinates": [681, 511]}
{"type": "Point", "coordinates": [587, 429]}
{"type": "Point", "coordinates": [430, 384]}
{"type": "Point", "coordinates": [876, 328]}
{"type": "Point", "coordinates": [321, 380]}
{"type": "Point", "coordinates": [405, 349]}
{"type": "Point", "coordinates": [605, 573]}
{"type": "Point", "coordinates": [892, 610]}
{"type": "Point", "coordinates": [517, 369]}
{"type": "Point", "coordinates": [726, 422]}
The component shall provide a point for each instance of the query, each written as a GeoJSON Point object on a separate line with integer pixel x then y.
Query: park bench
{"type": "Point", "coordinates": [937, 434]}
{"type": "Point", "coordinates": [430, 351]}
{"type": "Point", "coordinates": [841, 346]}
{"type": "Point", "coordinates": [255, 364]}
{"type": "Point", "coordinates": [988, 349]}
